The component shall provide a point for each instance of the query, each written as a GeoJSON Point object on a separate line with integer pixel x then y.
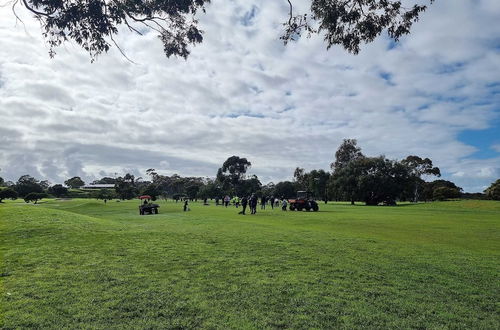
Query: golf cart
{"type": "Point", "coordinates": [146, 207]}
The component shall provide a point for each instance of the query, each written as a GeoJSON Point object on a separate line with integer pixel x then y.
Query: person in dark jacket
{"type": "Point", "coordinates": [263, 201]}
{"type": "Point", "coordinates": [244, 202]}
{"type": "Point", "coordinates": [253, 204]}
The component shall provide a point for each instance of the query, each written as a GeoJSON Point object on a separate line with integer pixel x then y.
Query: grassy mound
{"type": "Point", "coordinates": [83, 263]}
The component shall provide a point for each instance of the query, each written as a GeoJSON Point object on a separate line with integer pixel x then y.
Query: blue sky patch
{"type": "Point", "coordinates": [248, 18]}
{"type": "Point", "coordinates": [387, 76]}
{"type": "Point", "coordinates": [482, 140]}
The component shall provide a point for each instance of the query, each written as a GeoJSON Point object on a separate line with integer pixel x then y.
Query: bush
{"type": "Point", "coordinates": [7, 193]}
{"type": "Point", "coordinates": [34, 197]}
{"type": "Point", "coordinates": [442, 193]}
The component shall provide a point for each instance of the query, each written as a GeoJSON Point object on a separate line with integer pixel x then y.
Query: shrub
{"type": "Point", "coordinates": [34, 197]}
{"type": "Point", "coordinates": [7, 193]}
{"type": "Point", "coordinates": [442, 193]}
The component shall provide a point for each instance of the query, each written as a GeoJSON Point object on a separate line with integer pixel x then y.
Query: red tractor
{"type": "Point", "coordinates": [304, 201]}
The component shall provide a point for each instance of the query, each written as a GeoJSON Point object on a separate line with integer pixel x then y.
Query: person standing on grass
{"type": "Point", "coordinates": [283, 205]}
{"type": "Point", "coordinates": [244, 202]}
{"type": "Point", "coordinates": [226, 200]}
{"type": "Point", "coordinates": [253, 204]}
{"type": "Point", "coordinates": [263, 203]}
{"type": "Point", "coordinates": [271, 200]}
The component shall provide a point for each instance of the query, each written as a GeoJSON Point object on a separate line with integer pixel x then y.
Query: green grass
{"type": "Point", "coordinates": [84, 264]}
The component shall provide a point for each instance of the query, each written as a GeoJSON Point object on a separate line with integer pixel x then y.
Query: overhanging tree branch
{"type": "Point", "coordinates": [92, 24]}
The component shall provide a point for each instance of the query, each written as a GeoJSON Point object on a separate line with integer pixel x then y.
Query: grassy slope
{"type": "Point", "coordinates": [81, 263]}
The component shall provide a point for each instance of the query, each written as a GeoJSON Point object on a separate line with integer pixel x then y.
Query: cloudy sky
{"type": "Point", "coordinates": [435, 94]}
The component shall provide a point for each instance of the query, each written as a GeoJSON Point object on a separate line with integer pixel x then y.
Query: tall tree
{"type": "Point", "coordinates": [58, 190]}
{"type": "Point", "coordinates": [347, 152]}
{"type": "Point", "coordinates": [151, 190]}
{"type": "Point", "coordinates": [27, 184]}
{"type": "Point", "coordinates": [93, 24]}
{"type": "Point", "coordinates": [268, 189]}
{"type": "Point", "coordinates": [419, 167]}
{"type": "Point", "coordinates": [75, 182]}
{"type": "Point", "coordinates": [493, 191]}
{"type": "Point", "coordinates": [300, 178]}
{"type": "Point", "coordinates": [249, 186]}
{"type": "Point", "coordinates": [233, 172]}
{"type": "Point", "coordinates": [192, 191]}
{"type": "Point", "coordinates": [125, 187]}
{"type": "Point", "coordinates": [372, 179]}
{"type": "Point", "coordinates": [429, 188]}
{"type": "Point", "coordinates": [285, 189]}
{"type": "Point", "coordinates": [318, 184]}
{"type": "Point", "coordinates": [105, 180]}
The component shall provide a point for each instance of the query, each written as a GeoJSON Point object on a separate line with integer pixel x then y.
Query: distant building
{"type": "Point", "coordinates": [98, 186]}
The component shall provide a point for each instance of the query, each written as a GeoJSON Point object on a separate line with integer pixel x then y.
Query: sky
{"type": "Point", "coordinates": [241, 92]}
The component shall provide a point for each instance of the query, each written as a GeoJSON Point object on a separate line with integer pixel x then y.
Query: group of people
{"type": "Point", "coordinates": [252, 201]}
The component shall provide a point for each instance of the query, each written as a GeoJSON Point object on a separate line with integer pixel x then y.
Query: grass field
{"type": "Point", "coordinates": [83, 264]}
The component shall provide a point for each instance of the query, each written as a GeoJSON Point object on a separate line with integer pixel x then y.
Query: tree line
{"type": "Point", "coordinates": [352, 177]}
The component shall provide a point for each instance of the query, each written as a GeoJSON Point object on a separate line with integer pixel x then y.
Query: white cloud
{"type": "Point", "coordinates": [242, 92]}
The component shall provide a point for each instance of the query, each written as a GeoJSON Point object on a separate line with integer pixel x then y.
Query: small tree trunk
{"type": "Point", "coordinates": [415, 196]}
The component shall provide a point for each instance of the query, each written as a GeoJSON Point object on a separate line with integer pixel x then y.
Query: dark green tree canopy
{"type": "Point", "coordinates": [151, 190]}
{"type": "Point", "coordinates": [443, 193]}
{"type": "Point", "coordinates": [374, 180]}
{"type": "Point", "coordinates": [34, 197]}
{"type": "Point", "coordinates": [249, 186]}
{"type": "Point", "coordinates": [419, 167]}
{"type": "Point", "coordinates": [233, 173]}
{"type": "Point", "coordinates": [7, 193]}
{"type": "Point", "coordinates": [105, 180]}
{"type": "Point", "coordinates": [493, 191]}
{"type": "Point", "coordinates": [285, 189]}
{"type": "Point", "coordinates": [92, 24]}
{"type": "Point", "coordinates": [58, 190]}
{"type": "Point", "coordinates": [75, 182]}
{"type": "Point", "coordinates": [126, 187]}
{"type": "Point", "coordinates": [347, 152]}
{"type": "Point", "coordinates": [192, 191]}
{"type": "Point", "coordinates": [300, 178]}
{"type": "Point", "coordinates": [27, 184]}
{"type": "Point", "coordinates": [349, 23]}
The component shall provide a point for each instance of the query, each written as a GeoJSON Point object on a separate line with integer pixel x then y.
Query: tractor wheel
{"type": "Point", "coordinates": [156, 211]}
{"type": "Point", "coordinates": [308, 208]}
{"type": "Point", "coordinates": [292, 207]}
{"type": "Point", "coordinates": [299, 207]}
{"type": "Point", "coordinates": [315, 207]}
